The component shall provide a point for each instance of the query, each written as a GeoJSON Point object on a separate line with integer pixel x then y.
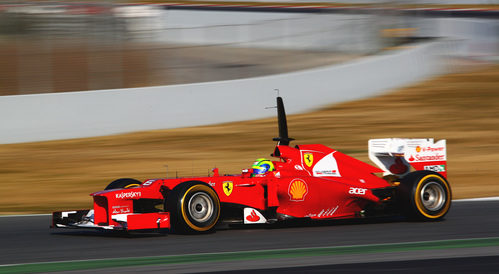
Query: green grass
{"type": "Point", "coordinates": [248, 255]}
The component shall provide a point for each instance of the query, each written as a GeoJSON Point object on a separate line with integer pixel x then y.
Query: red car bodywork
{"type": "Point", "coordinates": [309, 181]}
{"type": "Point", "coordinates": [291, 187]}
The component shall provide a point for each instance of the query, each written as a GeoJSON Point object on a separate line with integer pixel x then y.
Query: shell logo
{"type": "Point", "coordinates": [297, 191]}
{"type": "Point", "coordinates": [418, 149]}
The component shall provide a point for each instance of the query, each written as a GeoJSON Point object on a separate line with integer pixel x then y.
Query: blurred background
{"type": "Point", "coordinates": [73, 46]}
{"type": "Point", "coordinates": [66, 46]}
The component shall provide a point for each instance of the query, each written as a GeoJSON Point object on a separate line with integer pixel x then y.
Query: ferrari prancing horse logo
{"type": "Point", "coordinates": [308, 158]}
{"type": "Point", "coordinates": [227, 187]}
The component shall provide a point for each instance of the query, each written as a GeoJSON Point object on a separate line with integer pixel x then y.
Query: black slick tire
{"type": "Point", "coordinates": [194, 207]}
{"type": "Point", "coordinates": [424, 195]}
{"type": "Point", "coordinates": [123, 183]}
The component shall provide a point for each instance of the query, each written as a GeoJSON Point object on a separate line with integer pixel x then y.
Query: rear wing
{"type": "Point", "coordinates": [396, 155]}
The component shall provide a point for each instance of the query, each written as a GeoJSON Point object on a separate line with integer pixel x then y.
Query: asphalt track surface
{"type": "Point", "coordinates": [26, 240]}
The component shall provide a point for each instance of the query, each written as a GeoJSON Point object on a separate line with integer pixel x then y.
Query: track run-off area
{"type": "Point", "coordinates": [468, 231]}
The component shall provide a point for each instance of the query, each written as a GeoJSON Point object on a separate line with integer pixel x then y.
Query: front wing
{"type": "Point", "coordinates": [133, 221]}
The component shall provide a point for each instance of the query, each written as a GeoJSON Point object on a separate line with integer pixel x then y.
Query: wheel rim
{"type": "Point", "coordinates": [433, 196]}
{"type": "Point", "coordinates": [200, 207]}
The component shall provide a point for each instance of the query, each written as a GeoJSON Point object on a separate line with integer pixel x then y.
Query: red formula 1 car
{"type": "Point", "coordinates": [307, 181]}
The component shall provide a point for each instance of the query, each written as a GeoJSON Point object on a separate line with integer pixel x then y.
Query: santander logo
{"type": "Point", "coordinates": [253, 217]}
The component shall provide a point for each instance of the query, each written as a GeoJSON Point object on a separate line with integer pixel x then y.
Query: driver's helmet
{"type": "Point", "coordinates": [262, 166]}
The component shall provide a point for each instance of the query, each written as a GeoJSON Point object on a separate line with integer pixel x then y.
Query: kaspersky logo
{"type": "Point", "coordinates": [128, 195]}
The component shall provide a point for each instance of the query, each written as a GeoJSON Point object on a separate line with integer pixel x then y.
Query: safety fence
{"type": "Point", "coordinates": [95, 113]}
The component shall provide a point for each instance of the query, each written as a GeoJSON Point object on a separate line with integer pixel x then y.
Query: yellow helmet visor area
{"type": "Point", "coordinates": [262, 166]}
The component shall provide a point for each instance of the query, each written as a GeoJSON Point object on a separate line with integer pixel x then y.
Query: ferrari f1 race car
{"type": "Point", "coordinates": [305, 181]}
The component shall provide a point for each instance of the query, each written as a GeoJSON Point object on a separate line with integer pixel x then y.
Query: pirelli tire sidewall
{"type": "Point", "coordinates": [191, 198]}
{"type": "Point", "coordinates": [123, 183]}
{"type": "Point", "coordinates": [424, 195]}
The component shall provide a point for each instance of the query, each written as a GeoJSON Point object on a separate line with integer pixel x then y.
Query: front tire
{"type": "Point", "coordinates": [424, 195]}
{"type": "Point", "coordinates": [123, 183]}
{"type": "Point", "coordinates": [194, 207]}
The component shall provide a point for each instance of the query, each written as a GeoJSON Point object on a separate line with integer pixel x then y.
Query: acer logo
{"type": "Point", "coordinates": [128, 195]}
{"type": "Point", "coordinates": [357, 191]}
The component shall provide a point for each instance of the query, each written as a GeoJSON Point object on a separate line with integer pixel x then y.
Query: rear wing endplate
{"type": "Point", "coordinates": [397, 155]}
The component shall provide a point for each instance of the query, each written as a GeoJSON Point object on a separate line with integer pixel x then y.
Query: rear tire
{"type": "Point", "coordinates": [424, 195]}
{"type": "Point", "coordinates": [194, 207]}
{"type": "Point", "coordinates": [123, 183]}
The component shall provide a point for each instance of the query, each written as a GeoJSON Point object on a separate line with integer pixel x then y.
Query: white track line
{"type": "Point", "coordinates": [25, 215]}
{"type": "Point", "coordinates": [485, 199]}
